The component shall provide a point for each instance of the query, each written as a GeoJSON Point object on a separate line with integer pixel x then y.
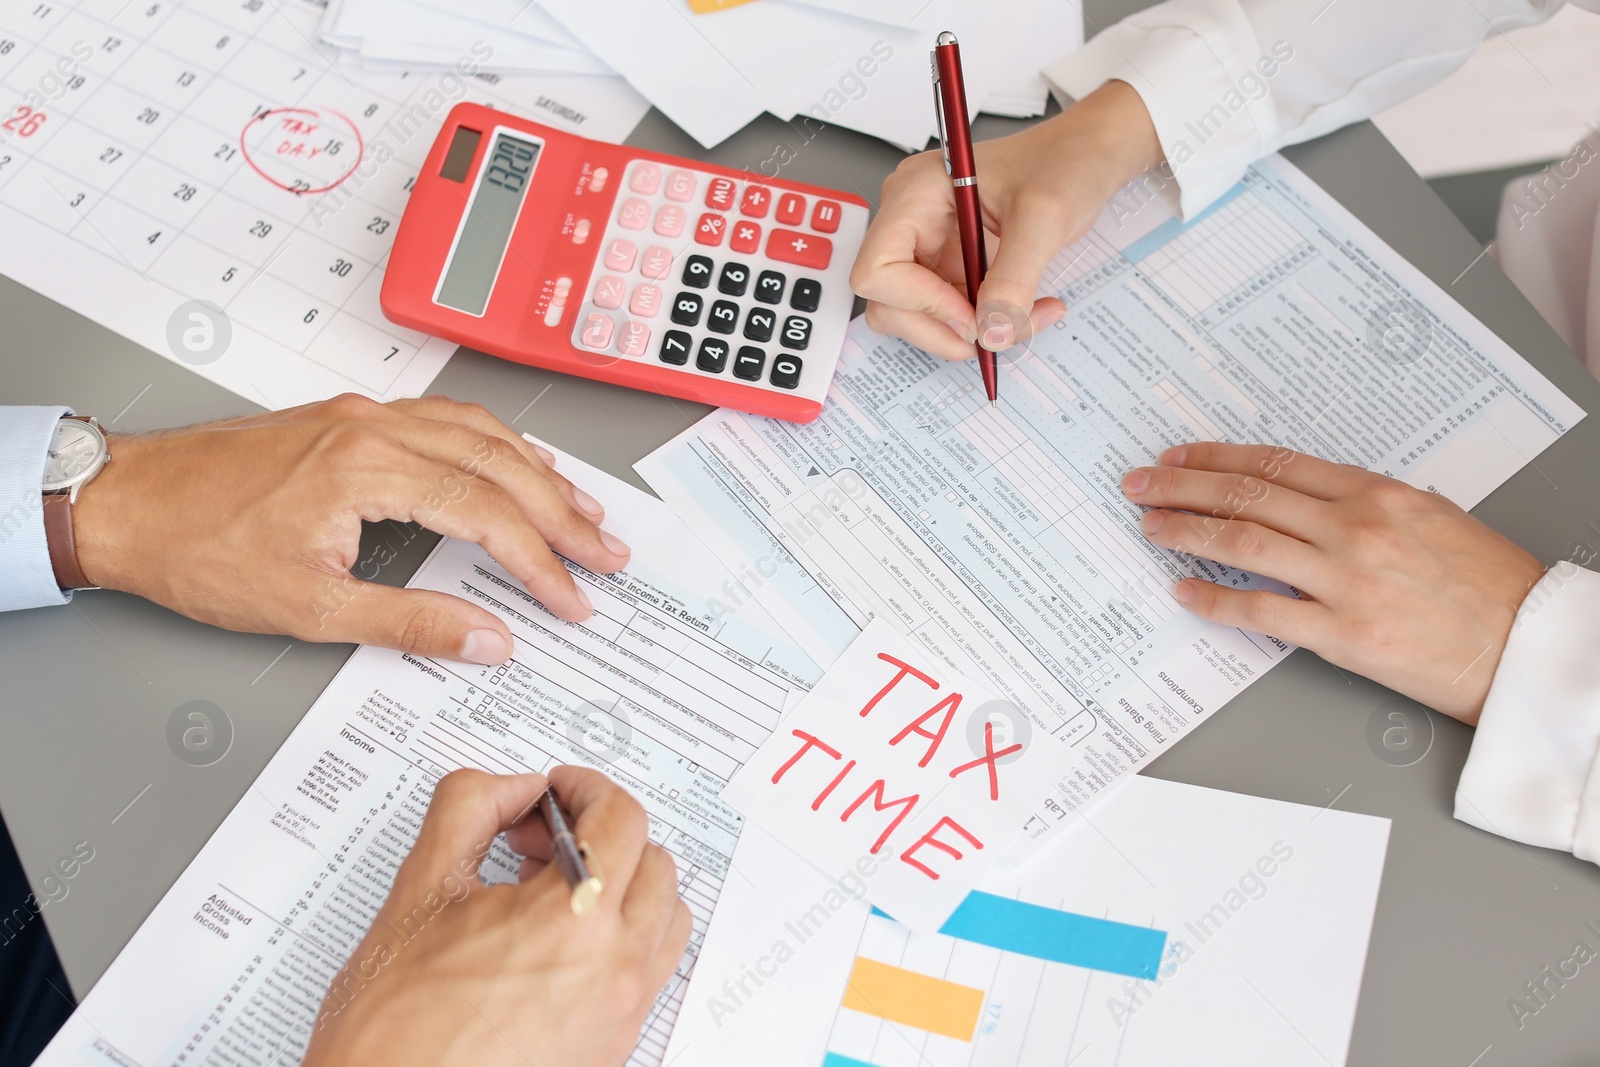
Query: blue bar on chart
{"type": "Point", "coordinates": [1058, 936]}
{"type": "Point", "coordinates": [833, 1059]}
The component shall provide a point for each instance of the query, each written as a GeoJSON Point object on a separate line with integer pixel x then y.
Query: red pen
{"type": "Point", "coordinates": [955, 138]}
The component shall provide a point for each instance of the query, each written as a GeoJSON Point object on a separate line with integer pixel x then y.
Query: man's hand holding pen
{"type": "Point", "coordinates": [416, 990]}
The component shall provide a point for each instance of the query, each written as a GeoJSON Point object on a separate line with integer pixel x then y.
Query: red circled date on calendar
{"type": "Point", "coordinates": [302, 149]}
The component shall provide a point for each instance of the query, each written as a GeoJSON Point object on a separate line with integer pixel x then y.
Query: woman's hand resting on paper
{"type": "Point", "coordinates": [456, 972]}
{"type": "Point", "coordinates": [1040, 190]}
{"type": "Point", "coordinates": [1400, 585]}
{"type": "Point", "coordinates": [255, 523]}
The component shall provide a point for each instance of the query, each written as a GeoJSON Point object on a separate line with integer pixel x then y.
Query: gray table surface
{"type": "Point", "coordinates": [1464, 919]}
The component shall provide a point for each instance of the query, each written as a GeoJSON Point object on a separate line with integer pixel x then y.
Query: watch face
{"type": "Point", "coordinates": [74, 452]}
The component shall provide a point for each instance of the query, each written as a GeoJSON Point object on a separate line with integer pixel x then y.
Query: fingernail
{"type": "Point", "coordinates": [488, 647]}
{"type": "Point", "coordinates": [1152, 521]}
{"type": "Point", "coordinates": [583, 598]}
{"type": "Point", "coordinates": [545, 454]}
{"type": "Point", "coordinates": [1184, 592]}
{"type": "Point", "coordinates": [588, 504]}
{"type": "Point", "coordinates": [1173, 457]}
{"type": "Point", "coordinates": [615, 543]}
{"type": "Point", "coordinates": [1135, 483]}
{"type": "Point", "coordinates": [964, 330]}
{"type": "Point", "coordinates": [998, 334]}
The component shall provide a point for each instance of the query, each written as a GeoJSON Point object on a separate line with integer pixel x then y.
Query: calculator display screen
{"type": "Point", "coordinates": [481, 245]}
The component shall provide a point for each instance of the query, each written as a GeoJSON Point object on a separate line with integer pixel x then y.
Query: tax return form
{"type": "Point", "coordinates": [232, 965]}
{"type": "Point", "coordinates": [998, 536]}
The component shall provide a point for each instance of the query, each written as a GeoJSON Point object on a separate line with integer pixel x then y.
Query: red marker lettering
{"type": "Point", "coordinates": [905, 669]}
{"type": "Point", "coordinates": [989, 759]}
{"type": "Point", "coordinates": [931, 838]}
{"type": "Point", "coordinates": [810, 743]}
{"type": "Point", "coordinates": [875, 790]}
{"type": "Point", "coordinates": [948, 705]}
{"type": "Point", "coordinates": [817, 803]}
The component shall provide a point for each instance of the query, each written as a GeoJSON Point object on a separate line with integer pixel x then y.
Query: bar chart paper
{"type": "Point", "coordinates": [1172, 925]}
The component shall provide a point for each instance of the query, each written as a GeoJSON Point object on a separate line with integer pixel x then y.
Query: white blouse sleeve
{"type": "Point", "coordinates": [1532, 775]}
{"type": "Point", "coordinates": [1229, 81]}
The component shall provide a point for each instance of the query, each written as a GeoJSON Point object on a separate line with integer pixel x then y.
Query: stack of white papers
{"type": "Point", "coordinates": [714, 65]}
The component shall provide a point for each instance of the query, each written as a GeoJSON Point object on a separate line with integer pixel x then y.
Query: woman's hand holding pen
{"type": "Point", "coordinates": [453, 971]}
{"type": "Point", "coordinates": [1041, 189]}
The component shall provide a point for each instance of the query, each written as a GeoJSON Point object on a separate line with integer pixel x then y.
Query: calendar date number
{"type": "Point", "coordinates": [25, 121]}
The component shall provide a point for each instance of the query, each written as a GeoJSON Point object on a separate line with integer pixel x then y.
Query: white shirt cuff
{"type": "Point", "coordinates": [26, 578]}
{"type": "Point", "coordinates": [1531, 774]}
{"type": "Point", "coordinates": [1202, 75]}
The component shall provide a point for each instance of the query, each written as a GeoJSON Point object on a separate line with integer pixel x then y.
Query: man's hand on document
{"type": "Point", "coordinates": [255, 523]}
{"type": "Point", "coordinates": [456, 972]}
{"type": "Point", "coordinates": [1040, 190]}
{"type": "Point", "coordinates": [1400, 585]}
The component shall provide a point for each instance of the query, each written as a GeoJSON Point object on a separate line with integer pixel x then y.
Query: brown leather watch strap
{"type": "Point", "coordinates": [63, 549]}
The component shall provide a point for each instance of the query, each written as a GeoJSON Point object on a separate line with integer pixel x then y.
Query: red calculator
{"type": "Point", "coordinates": [627, 266]}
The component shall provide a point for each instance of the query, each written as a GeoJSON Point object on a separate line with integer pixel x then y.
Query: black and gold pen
{"type": "Point", "coordinates": [571, 856]}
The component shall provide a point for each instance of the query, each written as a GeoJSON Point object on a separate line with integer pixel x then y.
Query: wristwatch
{"type": "Point", "coordinates": [76, 455]}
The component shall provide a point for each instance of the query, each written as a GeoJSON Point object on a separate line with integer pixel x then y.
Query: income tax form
{"type": "Point", "coordinates": [233, 964]}
{"type": "Point", "coordinates": [998, 536]}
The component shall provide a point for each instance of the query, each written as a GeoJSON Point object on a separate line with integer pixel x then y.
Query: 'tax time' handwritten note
{"type": "Point", "coordinates": [900, 768]}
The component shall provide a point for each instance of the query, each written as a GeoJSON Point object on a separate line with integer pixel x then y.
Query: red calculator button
{"type": "Point", "coordinates": [803, 249]}
{"type": "Point", "coordinates": [620, 255]}
{"type": "Point", "coordinates": [756, 201]}
{"type": "Point", "coordinates": [634, 215]}
{"type": "Point", "coordinates": [608, 293]}
{"type": "Point", "coordinates": [680, 186]}
{"type": "Point", "coordinates": [669, 220]}
{"type": "Point", "coordinates": [825, 216]}
{"type": "Point", "coordinates": [633, 339]}
{"type": "Point", "coordinates": [746, 237]}
{"type": "Point", "coordinates": [791, 209]}
{"type": "Point", "coordinates": [646, 179]}
{"type": "Point", "coordinates": [646, 301]}
{"type": "Point", "coordinates": [719, 194]}
{"type": "Point", "coordinates": [596, 331]}
{"type": "Point", "coordinates": [710, 229]}
{"type": "Point", "coordinates": [657, 262]}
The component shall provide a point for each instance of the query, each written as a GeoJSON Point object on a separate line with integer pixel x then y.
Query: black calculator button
{"type": "Point", "coordinates": [769, 287]}
{"type": "Point", "coordinates": [686, 309]}
{"type": "Point", "coordinates": [724, 317]}
{"type": "Point", "coordinates": [734, 279]}
{"type": "Point", "coordinates": [759, 324]}
{"type": "Point", "coordinates": [786, 371]}
{"type": "Point", "coordinates": [796, 331]}
{"type": "Point", "coordinates": [807, 294]}
{"type": "Point", "coordinates": [749, 362]}
{"type": "Point", "coordinates": [697, 273]}
{"type": "Point", "coordinates": [675, 347]}
{"type": "Point", "coordinates": [713, 355]}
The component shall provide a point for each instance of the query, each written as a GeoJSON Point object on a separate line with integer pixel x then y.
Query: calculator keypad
{"type": "Point", "coordinates": [759, 324]}
{"type": "Point", "coordinates": [697, 271]}
{"type": "Point", "coordinates": [688, 300]}
{"type": "Point", "coordinates": [734, 279]}
{"type": "Point", "coordinates": [746, 237]}
{"type": "Point", "coordinates": [713, 355]}
{"type": "Point", "coordinates": [769, 287]}
{"type": "Point", "coordinates": [675, 347]}
{"type": "Point", "coordinates": [686, 309]}
{"type": "Point", "coordinates": [724, 317]}
{"type": "Point", "coordinates": [807, 295]}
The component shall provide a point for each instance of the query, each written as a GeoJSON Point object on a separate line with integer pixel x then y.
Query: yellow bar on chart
{"type": "Point", "coordinates": [913, 999]}
{"type": "Point", "coordinates": [705, 7]}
